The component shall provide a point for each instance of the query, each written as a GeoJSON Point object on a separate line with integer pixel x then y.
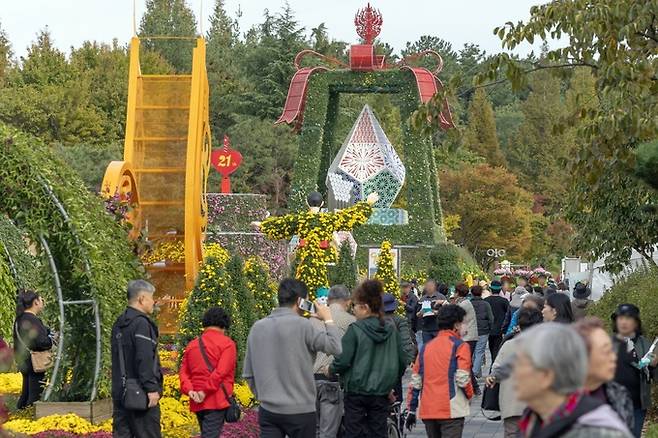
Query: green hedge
{"type": "Point", "coordinates": [90, 238]}
{"type": "Point", "coordinates": [639, 288]}
{"type": "Point", "coordinates": [18, 269]}
{"type": "Point", "coordinates": [316, 150]}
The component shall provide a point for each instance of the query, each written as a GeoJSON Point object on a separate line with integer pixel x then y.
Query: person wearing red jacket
{"type": "Point", "coordinates": [209, 381]}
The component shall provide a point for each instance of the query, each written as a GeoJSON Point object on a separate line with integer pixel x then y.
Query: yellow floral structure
{"type": "Point", "coordinates": [315, 231]}
{"type": "Point", "coordinates": [386, 271]}
{"type": "Point", "coordinates": [176, 419]}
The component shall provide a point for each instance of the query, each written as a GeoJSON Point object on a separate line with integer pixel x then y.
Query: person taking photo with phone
{"type": "Point", "coordinates": [278, 365]}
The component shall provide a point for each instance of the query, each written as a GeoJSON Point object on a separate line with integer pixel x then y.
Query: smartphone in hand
{"type": "Point", "coordinates": [307, 306]}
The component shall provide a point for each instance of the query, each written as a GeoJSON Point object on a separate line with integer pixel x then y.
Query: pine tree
{"type": "Point", "coordinates": [224, 76]}
{"type": "Point", "coordinates": [169, 18]}
{"type": "Point", "coordinates": [386, 272]}
{"type": "Point", "coordinates": [480, 136]}
{"type": "Point", "coordinates": [345, 270]}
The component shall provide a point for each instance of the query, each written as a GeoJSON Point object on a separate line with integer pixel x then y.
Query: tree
{"type": "Point", "coordinates": [264, 290]}
{"type": "Point", "coordinates": [617, 41]}
{"type": "Point", "coordinates": [267, 63]}
{"type": "Point", "coordinates": [322, 43]}
{"type": "Point", "coordinates": [225, 78]}
{"type": "Point", "coordinates": [345, 270]}
{"type": "Point", "coordinates": [5, 54]}
{"type": "Point", "coordinates": [170, 18]}
{"type": "Point", "coordinates": [439, 45]}
{"type": "Point", "coordinates": [44, 64]}
{"type": "Point", "coordinates": [386, 271]}
{"type": "Point", "coordinates": [614, 217]}
{"type": "Point", "coordinates": [495, 212]}
{"type": "Point", "coordinates": [444, 263]}
{"type": "Point", "coordinates": [480, 136]}
{"type": "Point", "coordinates": [269, 155]}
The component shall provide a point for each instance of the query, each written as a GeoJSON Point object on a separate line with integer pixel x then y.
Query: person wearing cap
{"type": "Point", "coordinates": [400, 323]}
{"type": "Point", "coordinates": [499, 308]}
{"type": "Point", "coordinates": [580, 301]}
{"type": "Point", "coordinates": [329, 402]}
{"type": "Point", "coordinates": [631, 347]}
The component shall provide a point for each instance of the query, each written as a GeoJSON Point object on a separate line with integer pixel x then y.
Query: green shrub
{"type": "Point", "coordinates": [444, 263]}
{"type": "Point", "coordinates": [639, 288]}
{"type": "Point", "coordinates": [263, 288]}
{"type": "Point", "coordinates": [345, 270]}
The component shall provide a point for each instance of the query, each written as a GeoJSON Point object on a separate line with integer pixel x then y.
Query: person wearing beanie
{"type": "Point", "coordinates": [500, 308]}
{"type": "Point", "coordinates": [581, 301]}
{"type": "Point", "coordinates": [631, 347]}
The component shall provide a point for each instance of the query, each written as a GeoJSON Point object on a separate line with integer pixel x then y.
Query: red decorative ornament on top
{"type": "Point", "coordinates": [368, 22]}
{"type": "Point", "coordinates": [226, 161]}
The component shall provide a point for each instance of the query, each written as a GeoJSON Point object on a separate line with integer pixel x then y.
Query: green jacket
{"type": "Point", "coordinates": [373, 360]}
{"type": "Point", "coordinates": [408, 346]}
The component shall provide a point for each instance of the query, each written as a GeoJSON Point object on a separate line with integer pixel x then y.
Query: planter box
{"type": "Point", "coordinates": [95, 412]}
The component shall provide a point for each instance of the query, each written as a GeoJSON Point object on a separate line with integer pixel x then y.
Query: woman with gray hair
{"type": "Point", "coordinates": [549, 374]}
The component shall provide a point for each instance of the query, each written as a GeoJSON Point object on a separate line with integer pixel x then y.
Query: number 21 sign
{"type": "Point", "coordinates": [226, 161]}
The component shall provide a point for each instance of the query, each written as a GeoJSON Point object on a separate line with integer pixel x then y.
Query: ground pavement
{"type": "Point", "coordinates": [476, 425]}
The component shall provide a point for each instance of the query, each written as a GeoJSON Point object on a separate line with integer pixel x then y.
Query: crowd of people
{"type": "Point", "coordinates": [336, 370]}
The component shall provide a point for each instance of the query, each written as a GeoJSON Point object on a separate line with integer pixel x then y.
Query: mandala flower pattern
{"type": "Point", "coordinates": [366, 163]}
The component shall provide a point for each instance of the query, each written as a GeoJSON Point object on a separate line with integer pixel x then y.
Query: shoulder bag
{"type": "Point", "coordinates": [42, 361]}
{"type": "Point", "coordinates": [134, 397]}
{"type": "Point", "coordinates": [233, 412]}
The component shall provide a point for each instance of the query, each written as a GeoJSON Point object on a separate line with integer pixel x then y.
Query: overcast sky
{"type": "Point", "coordinates": [458, 21]}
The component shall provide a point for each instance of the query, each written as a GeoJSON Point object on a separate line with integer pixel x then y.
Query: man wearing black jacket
{"type": "Point", "coordinates": [500, 308]}
{"type": "Point", "coordinates": [139, 338]}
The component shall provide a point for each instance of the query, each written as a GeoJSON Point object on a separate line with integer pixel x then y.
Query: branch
{"type": "Point", "coordinates": [642, 34]}
{"type": "Point", "coordinates": [532, 70]}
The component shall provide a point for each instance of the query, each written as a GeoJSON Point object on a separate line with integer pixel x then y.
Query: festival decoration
{"type": "Point", "coordinates": [165, 168]}
{"type": "Point", "coordinates": [226, 161]}
{"type": "Point", "coordinates": [341, 237]}
{"type": "Point", "coordinates": [386, 272]}
{"type": "Point", "coordinates": [366, 163]}
{"type": "Point", "coordinates": [312, 106]}
{"type": "Point", "coordinates": [78, 244]}
{"type": "Point", "coordinates": [315, 231]}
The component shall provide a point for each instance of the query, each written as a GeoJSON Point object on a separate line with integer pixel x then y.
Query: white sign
{"type": "Point", "coordinates": [373, 254]}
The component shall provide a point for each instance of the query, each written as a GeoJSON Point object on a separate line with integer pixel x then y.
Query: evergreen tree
{"type": "Point", "coordinates": [345, 270]}
{"type": "Point", "coordinates": [44, 63]}
{"type": "Point", "coordinates": [224, 76]}
{"type": "Point", "coordinates": [5, 54]}
{"type": "Point", "coordinates": [267, 63]}
{"type": "Point", "coordinates": [169, 18]}
{"type": "Point", "coordinates": [480, 136]}
{"type": "Point", "coordinates": [264, 290]}
{"type": "Point", "coordinates": [242, 312]}
{"type": "Point", "coordinates": [386, 271]}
